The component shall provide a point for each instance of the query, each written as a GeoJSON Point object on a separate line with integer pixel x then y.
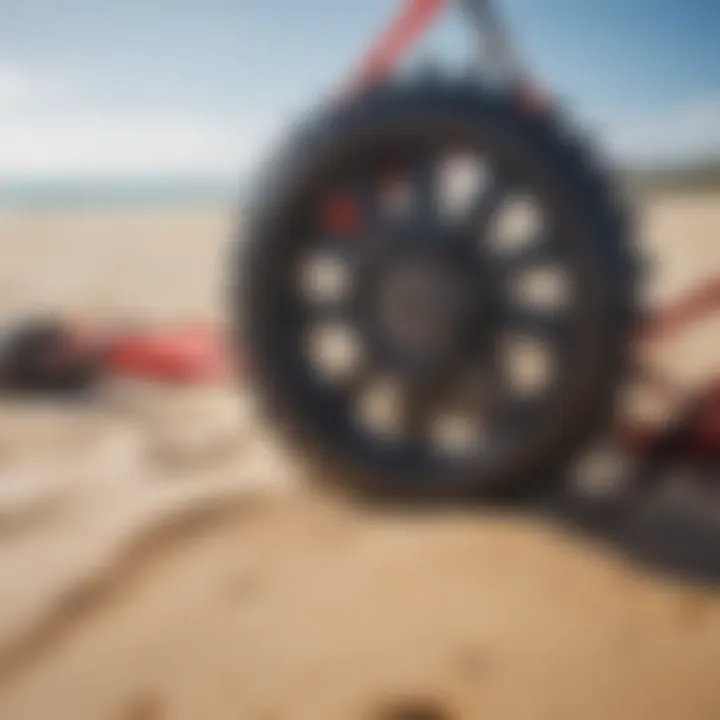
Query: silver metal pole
{"type": "Point", "coordinates": [498, 59]}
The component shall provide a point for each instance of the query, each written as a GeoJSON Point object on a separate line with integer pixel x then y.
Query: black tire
{"type": "Point", "coordinates": [535, 145]}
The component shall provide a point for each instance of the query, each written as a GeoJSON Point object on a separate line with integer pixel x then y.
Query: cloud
{"type": "Point", "coordinates": [114, 147]}
{"type": "Point", "coordinates": [15, 86]}
{"type": "Point", "coordinates": [45, 135]}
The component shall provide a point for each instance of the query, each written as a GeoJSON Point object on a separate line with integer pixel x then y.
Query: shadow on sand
{"type": "Point", "coordinates": [669, 519]}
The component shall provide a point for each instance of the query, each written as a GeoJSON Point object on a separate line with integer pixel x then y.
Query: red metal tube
{"type": "Point", "coordinates": [401, 35]}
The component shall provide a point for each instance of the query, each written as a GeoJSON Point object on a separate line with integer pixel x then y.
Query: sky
{"type": "Point", "coordinates": [177, 88]}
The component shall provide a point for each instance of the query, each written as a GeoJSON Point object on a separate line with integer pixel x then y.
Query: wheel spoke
{"type": "Point", "coordinates": [365, 192]}
{"type": "Point", "coordinates": [516, 415]}
{"type": "Point", "coordinates": [327, 311]}
{"type": "Point", "coordinates": [488, 389]}
{"type": "Point", "coordinates": [425, 179]}
{"type": "Point", "coordinates": [540, 324]}
{"type": "Point", "coordinates": [340, 250]}
{"type": "Point", "coordinates": [356, 382]}
{"type": "Point", "coordinates": [469, 388]}
{"type": "Point", "coordinates": [503, 403]}
{"type": "Point", "coordinates": [541, 250]}
{"type": "Point", "coordinates": [487, 202]}
{"type": "Point", "coordinates": [417, 411]}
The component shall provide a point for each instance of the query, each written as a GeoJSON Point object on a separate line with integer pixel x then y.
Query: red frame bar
{"type": "Point", "coordinates": [398, 39]}
{"type": "Point", "coordinates": [704, 424]}
{"type": "Point", "coordinates": [698, 304]}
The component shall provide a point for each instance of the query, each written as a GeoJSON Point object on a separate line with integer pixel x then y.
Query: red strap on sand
{"type": "Point", "coordinates": [195, 354]}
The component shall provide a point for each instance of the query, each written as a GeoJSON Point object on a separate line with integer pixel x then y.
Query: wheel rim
{"type": "Point", "coordinates": [487, 367]}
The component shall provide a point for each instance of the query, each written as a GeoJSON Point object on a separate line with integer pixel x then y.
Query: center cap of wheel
{"type": "Point", "coordinates": [421, 301]}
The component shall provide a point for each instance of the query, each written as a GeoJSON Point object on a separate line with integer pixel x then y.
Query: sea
{"type": "Point", "coordinates": [95, 195]}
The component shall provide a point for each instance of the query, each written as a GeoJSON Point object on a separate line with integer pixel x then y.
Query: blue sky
{"type": "Point", "coordinates": [178, 87]}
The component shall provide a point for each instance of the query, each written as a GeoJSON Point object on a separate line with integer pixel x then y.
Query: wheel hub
{"type": "Point", "coordinates": [422, 302]}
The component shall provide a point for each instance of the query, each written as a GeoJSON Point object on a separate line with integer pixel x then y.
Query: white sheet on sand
{"type": "Point", "coordinates": [83, 488]}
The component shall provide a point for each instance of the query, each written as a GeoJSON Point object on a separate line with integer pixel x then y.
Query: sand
{"type": "Point", "coordinates": [160, 560]}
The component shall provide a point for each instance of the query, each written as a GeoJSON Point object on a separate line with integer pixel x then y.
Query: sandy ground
{"type": "Point", "coordinates": [159, 561]}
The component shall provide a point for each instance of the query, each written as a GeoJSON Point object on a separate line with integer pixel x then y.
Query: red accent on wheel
{"type": "Point", "coordinates": [341, 215]}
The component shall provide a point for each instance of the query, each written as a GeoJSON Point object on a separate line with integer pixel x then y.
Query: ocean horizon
{"type": "Point", "coordinates": [25, 195]}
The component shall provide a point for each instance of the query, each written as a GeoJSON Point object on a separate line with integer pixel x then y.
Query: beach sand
{"type": "Point", "coordinates": [159, 559]}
